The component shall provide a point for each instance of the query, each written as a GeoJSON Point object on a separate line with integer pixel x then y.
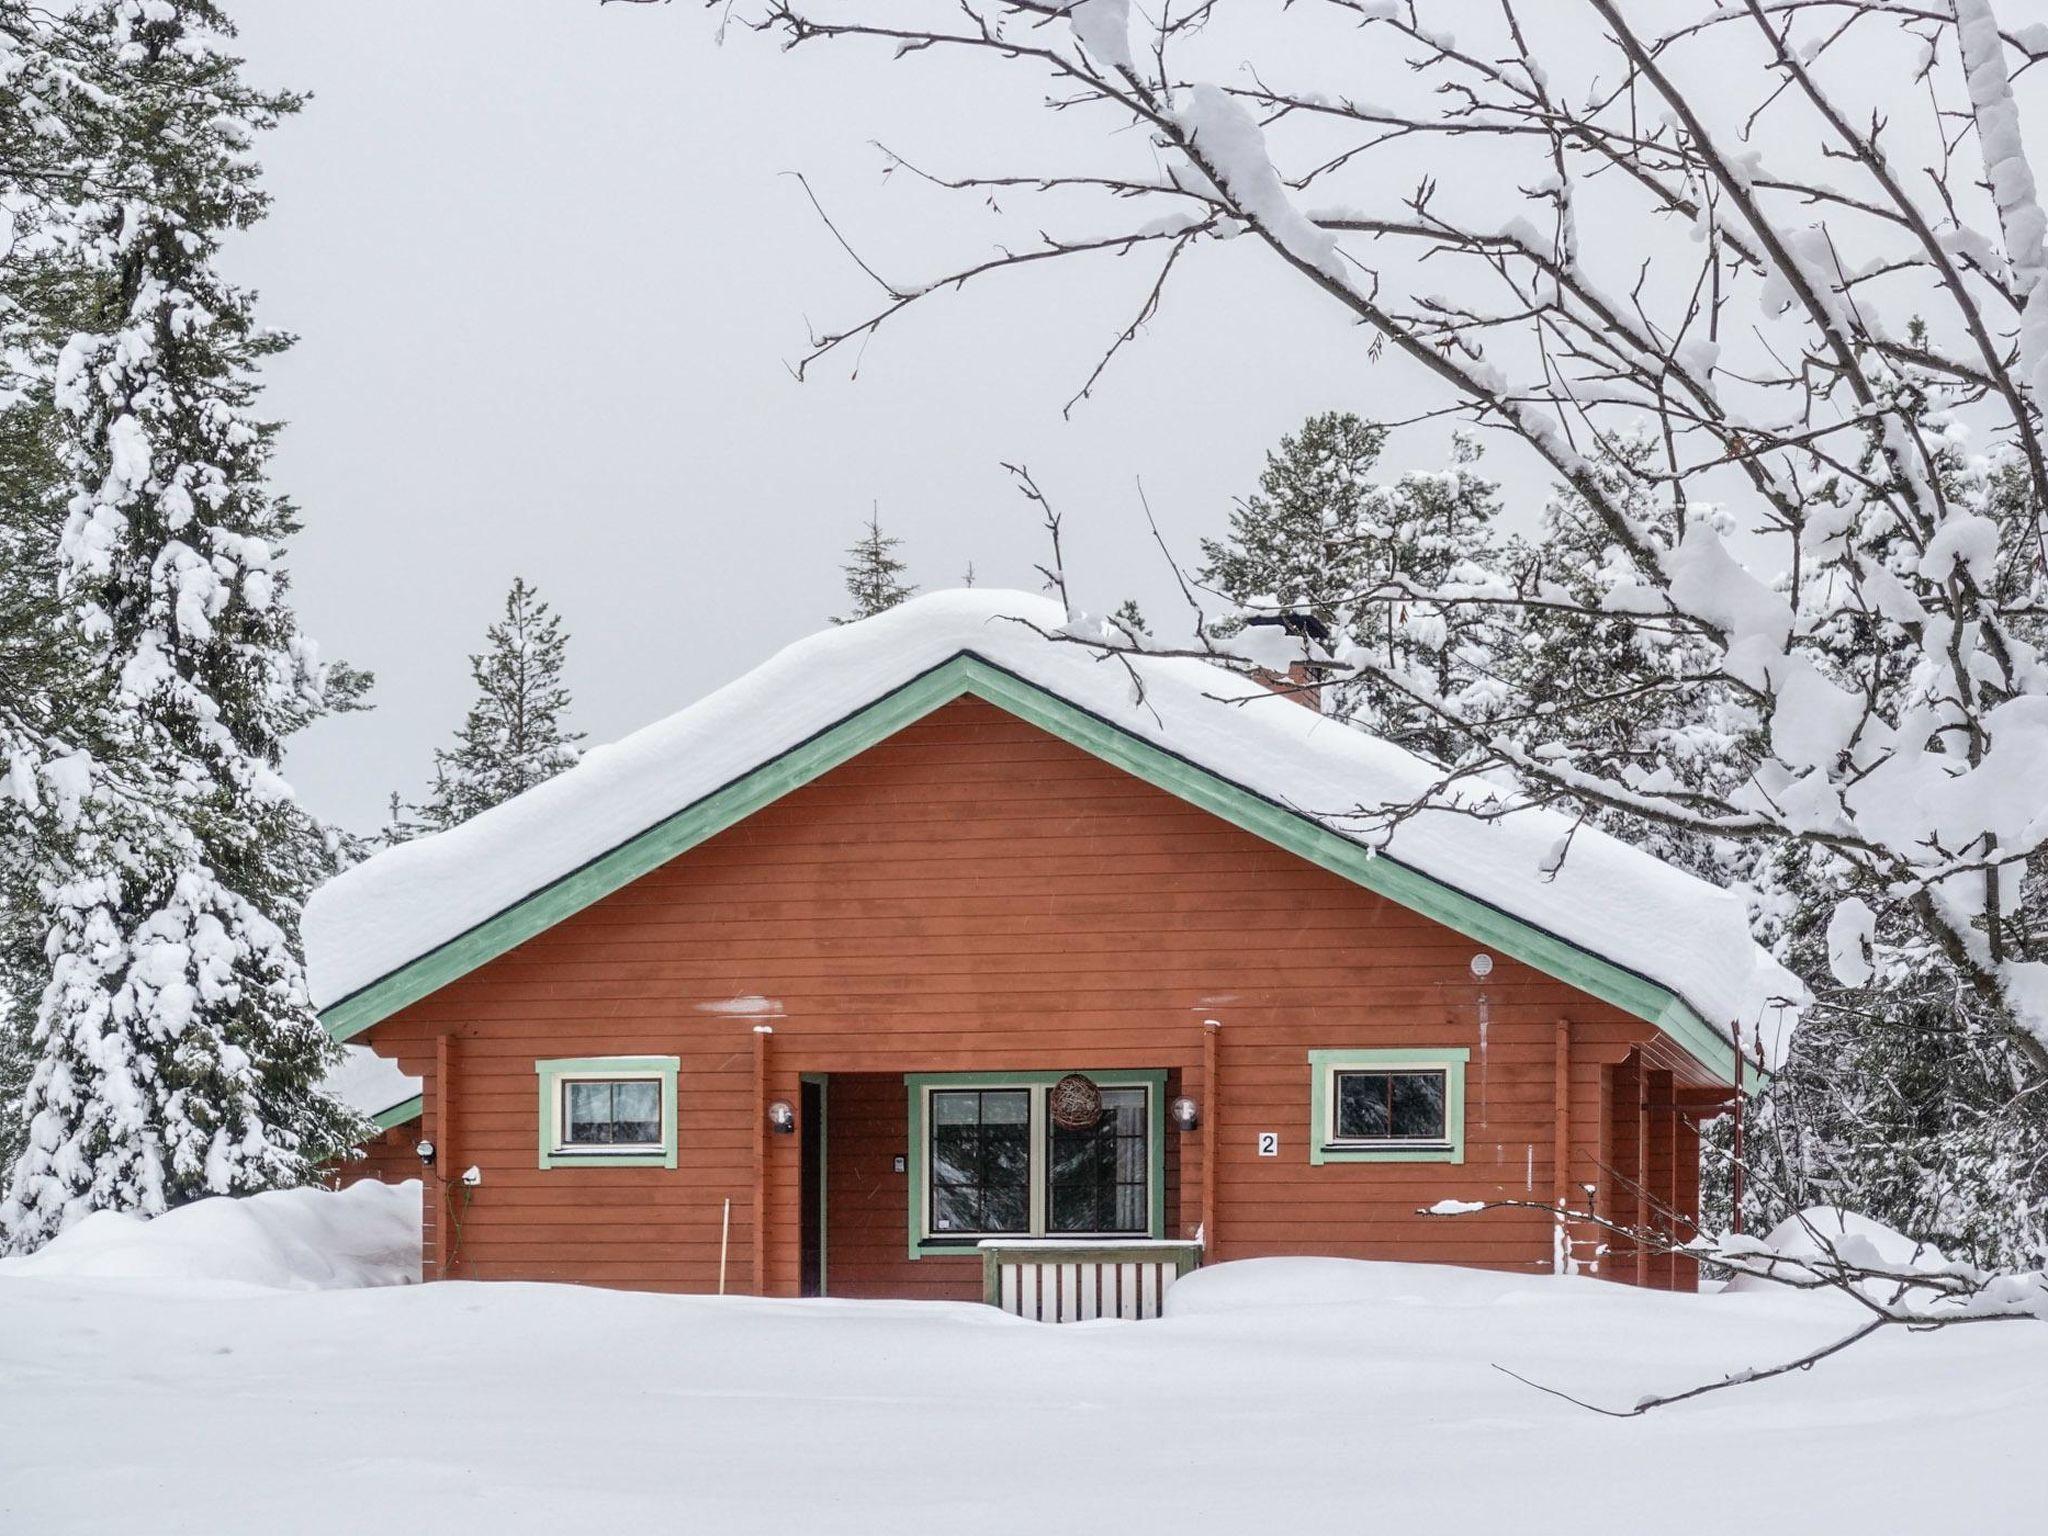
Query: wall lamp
{"type": "Point", "coordinates": [1187, 1114]}
{"type": "Point", "coordinates": [426, 1152]}
{"type": "Point", "coordinates": [781, 1117]}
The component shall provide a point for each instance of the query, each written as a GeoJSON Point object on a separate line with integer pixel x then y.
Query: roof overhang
{"type": "Point", "coordinates": [967, 674]}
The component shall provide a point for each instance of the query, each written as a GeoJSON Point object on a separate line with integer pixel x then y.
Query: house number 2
{"type": "Point", "coordinates": [1269, 1143]}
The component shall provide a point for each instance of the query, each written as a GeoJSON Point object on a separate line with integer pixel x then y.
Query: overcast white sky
{"type": "Point", "coordinates": [549, 276]}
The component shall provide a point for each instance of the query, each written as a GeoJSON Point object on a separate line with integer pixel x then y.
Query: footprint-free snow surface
{"type": "Point", "coordinates": [1277, 1395]}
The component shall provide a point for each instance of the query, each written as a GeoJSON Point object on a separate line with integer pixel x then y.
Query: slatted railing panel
{"type": "Point", "coordinates": [1054, 1282]}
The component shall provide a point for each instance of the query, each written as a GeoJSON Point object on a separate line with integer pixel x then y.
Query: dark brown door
{"type": "Point", "coordinates": [811, 1151]}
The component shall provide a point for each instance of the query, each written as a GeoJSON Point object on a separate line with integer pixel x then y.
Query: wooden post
{"type": "Point", "coordinates": [761, 1034]}
{"type": "Point", "coordinates": [1735, 1168]}
{"type": "Point", "coordinates": [1211, 1113]}
{"type": "Point", "coordinates": [1643, 1222]}
{"type": "Point", "coordinates": [444, 1177]}
{"type": "Point", "coordinates": [1561, 1145]}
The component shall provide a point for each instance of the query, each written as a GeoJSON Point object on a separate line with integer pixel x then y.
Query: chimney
{"type": "Point", "coordinates": [1301, 681]}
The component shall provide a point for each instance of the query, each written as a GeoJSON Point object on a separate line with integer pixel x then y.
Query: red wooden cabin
{"type": "Point", "coordinates": [780, 993]}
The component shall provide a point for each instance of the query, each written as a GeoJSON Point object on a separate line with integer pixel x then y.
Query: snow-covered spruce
{"type": "Point", "coordinates": [176, 1051]}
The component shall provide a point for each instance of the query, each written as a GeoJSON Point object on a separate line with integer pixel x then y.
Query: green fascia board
{"type": "Point", "coordinates": [915, 1084]}
{"type": "Point", "coordinates": [1450, 1059]}
{"type": "Point", "coordinates": [968, 674]}
{"type": "Point", "coordinates": [398, 1114]}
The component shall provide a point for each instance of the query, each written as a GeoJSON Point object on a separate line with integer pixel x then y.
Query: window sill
{"type": "Point", "coordinates": [650, 1157]}
{"type": "Point", "coordinates": [1427, 1152]}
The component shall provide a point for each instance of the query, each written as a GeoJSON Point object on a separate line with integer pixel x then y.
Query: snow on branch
{"type": "Point", "coordinates": [1760, 285]}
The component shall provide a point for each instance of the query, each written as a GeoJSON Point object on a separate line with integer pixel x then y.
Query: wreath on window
{"type": "Point", "coordinates": [1074, 1103]}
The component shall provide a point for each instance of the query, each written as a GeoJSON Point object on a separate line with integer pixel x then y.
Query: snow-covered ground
{"type": "Point", "coordinates": [1278, 1394]}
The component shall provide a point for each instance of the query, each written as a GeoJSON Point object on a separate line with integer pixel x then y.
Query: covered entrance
{"type": "Point", "coordinates": [905, 1176]}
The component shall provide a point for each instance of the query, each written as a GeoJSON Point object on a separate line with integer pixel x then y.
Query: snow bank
{"type": "Point", "coordinates": [1611, 899]}
{"type": "Point", "coordinates": [1256, 1285]}
{"type": "Point", "coordinates": [1829, 1233]}
{"type": "Point", "coordinates": [289, 1240]}
{"type": "Point", "coordinates": [496, 1408]}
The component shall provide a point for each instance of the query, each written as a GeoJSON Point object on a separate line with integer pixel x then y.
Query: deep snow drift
{"type": "Point", "coordinates": [292, 1240]}
{"type": "Point", "coordinates": [1277, 1394]}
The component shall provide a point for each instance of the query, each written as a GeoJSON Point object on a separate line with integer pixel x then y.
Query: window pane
{"type": "Point", "coordinates": [1010, 1106]}
{"type": "Point", "coordinates": [1098, 1177]}
{"type": "Point", "coordinates": [956, 1210]}
{"type": "Point", "coordinates": [636, 1112]}
{"type": "Point", "coordinates": [588, 1113]}
{"type": "Point", "coordinates": [956, 1108]}
{"type": "Point", "coordinates": [1361, 1105]}
{"type": "Point", "coordinates": [1419, 1105]}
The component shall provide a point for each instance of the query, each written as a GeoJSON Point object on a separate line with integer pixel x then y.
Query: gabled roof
{"type": "Point", "coordinates": [1613, 921]}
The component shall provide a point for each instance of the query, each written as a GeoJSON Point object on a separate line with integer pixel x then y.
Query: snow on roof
{"type": "Point", "coordinates": [368, 1083]}
{"type": "Point", "coordinates": [1613, 900]}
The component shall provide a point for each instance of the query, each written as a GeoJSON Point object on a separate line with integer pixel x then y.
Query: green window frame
{"type": "Point", "coordinates": [555, 1077]}
{"type": "Point", "coordinates": [1325, 1146]}
{"type": "Point", "coordinates": [921, 1086]}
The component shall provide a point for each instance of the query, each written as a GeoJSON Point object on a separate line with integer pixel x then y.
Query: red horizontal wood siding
{"type": "Point", "coordinates": [975, 894]}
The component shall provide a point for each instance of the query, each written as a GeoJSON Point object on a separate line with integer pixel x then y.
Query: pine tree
{"type": "Point", "coordinates": [176, 1051]}
{"type": "Point", "coordinates": [1130, 618]}
{"type": "Point", "coordinates": [515, 736]}
{"type": "Point", "coordinates": [1323, 537]}
{"type": "Point", "coordinates": [874, 576]}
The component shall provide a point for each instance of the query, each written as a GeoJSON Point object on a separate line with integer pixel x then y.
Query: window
{"type": "Point", "coordinates": [1387, 1106]}
{"type": "Point", "coordinates": [988, 1161]}
{"type": "Point", "coordinates": [981, 1160]}
{"type": "Point", "coordinates": [608, 1112]}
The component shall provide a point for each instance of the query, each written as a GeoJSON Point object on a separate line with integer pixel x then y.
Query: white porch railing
{"type": "Point", "coordinates": [1070, 1282]}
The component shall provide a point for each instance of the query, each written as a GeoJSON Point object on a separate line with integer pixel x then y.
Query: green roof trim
{"type": "Point", "coordinates": [398, 1114]}
{"type": "Point", "coordinates": [968, 674]}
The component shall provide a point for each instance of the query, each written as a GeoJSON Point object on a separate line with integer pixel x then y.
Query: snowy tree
{"type": "Point", "coordinates": [1776, 208]}
{"type": "Point", "coordinates": [874, 576]}
{"type": "Point", "coordinates": [1321, 529]}
{"type": "Point", "coordinates": [516, 734]}
{"type": "Point", "coordinates": [176, 1053]}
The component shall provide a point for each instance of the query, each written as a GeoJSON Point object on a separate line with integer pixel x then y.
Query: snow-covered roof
{"type": "Point", "coordinates": [370, 1084]}
{"type": "Point", "coordinates": [1609, 899]}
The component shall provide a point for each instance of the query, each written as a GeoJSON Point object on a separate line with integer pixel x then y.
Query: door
{"type": "Point", "coordinates": [811, 1202]}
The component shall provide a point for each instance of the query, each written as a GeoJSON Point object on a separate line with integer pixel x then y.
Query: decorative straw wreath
{"type": "Point", "coordinates": [1075, 1103]}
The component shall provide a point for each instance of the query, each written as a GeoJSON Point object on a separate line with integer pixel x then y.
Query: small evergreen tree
{"type": "Point", "coordinates": [516, 734]}
{"type": "Point", "coordinates": [1130, 618]}
{"type": "Point", "coordinates": [874, 576]}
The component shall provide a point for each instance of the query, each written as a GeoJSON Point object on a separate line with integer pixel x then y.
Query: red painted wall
{"type": "Point", "coordinates": [974, 893]}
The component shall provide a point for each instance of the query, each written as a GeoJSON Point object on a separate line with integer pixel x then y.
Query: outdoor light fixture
{"type": "Point", "coordinates": [781, 1117]}
{"type": "Point", "coordinates": [1187, 1114]}
{"type": "Point", "coordinates": [426, 1152]}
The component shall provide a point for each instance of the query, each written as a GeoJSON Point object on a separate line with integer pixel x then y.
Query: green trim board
{"type": "Point", "coordinates": [968, 674]}
{"type": "Point", "coordinates": [398, 1114]}
{"type": "Point", "coordinates": [1323, 1067]}
{"type": "Point", "coordinates": [553, 1073]}
{"type": "Point", "coordinates": [918, 1084]}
